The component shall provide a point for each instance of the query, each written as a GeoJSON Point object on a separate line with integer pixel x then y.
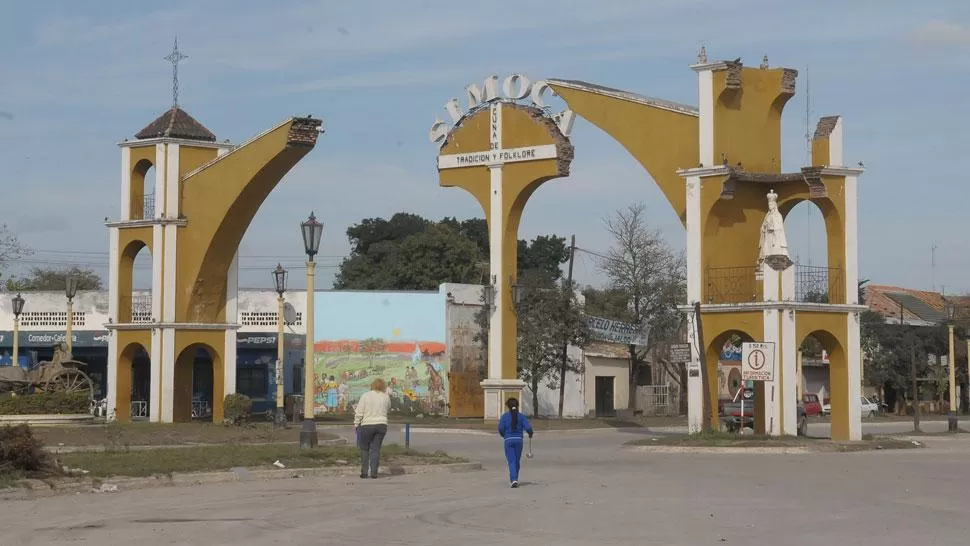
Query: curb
{"type": "Point", "coordinates": [47, 419]}
{"type": "Point", "coordinates": [99, 448]}
{"type": "Point", "coordinates": [40, 488]}
{"type": "Point", "coordinates": [724, 450]}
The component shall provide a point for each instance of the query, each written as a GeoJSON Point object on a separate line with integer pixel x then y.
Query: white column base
{"type": "Point", "coordinates": [695, 402]}
{"type": "Point", "coordinates": [497, 391]}
{"type": "Point", "coordinates": [112, 371]}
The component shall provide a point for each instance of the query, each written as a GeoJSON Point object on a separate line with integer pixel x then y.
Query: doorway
{"type": "Point", "coordinates": [604, 397]}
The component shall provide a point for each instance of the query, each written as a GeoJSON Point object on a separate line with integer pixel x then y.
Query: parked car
{"type": "Point", "coordinates": [734, 418]}
{"type": "Point", "coordinates": [813, 406]}
{"type": "Point", "coordinates": [869, 408]}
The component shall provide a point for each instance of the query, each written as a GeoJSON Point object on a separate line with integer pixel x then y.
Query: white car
{"type": "Point", "coordinates": [869, 408]}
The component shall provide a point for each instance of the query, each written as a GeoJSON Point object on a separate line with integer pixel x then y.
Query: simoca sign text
{"type": "Point", "coordinates": [515, 87]}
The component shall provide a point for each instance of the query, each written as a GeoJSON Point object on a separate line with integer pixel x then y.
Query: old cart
{"type": "Point", "coordinates": [61, 374]}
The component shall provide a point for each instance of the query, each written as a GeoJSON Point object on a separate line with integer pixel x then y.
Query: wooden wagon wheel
{"type": "Point", "coordinates": [71, 381]}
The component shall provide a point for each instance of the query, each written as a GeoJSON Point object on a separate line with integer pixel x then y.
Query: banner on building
{"type": "Point", "coordinates": [615, 331]}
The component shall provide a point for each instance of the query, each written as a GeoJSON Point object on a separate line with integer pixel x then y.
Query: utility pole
{"type": "Point", "coordinates": [705, 380]}
{"type": "Point", "coordinates": [565, 344]}
{"type": "Point", "coordinates": [912, 371]}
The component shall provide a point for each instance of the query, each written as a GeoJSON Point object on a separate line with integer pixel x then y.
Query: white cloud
{"type": "Point", "coordinates": [938, 32]}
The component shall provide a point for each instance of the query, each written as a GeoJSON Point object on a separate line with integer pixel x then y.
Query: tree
{"type": "Point", "coordinates": [400, 254]}
{"type": "Point", "coordinates": [10, 247]}
{"type": "Point", "coordinates": [642, 265]}
{"type": "Point", "coordinates": [545, 320]}
{"type": "Point", "coordinates": [419, 261]}
{"type": "Point", "coordinates": [47, 278]}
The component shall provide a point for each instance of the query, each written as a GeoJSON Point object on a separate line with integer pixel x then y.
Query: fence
{"type": "Point", "coordinates": [147, 211]}
{"type": "Point", "coordinates": [136, 309]}
{"type": "Point", "coordinates": [656, 400]}
{"type": "Point", "coordinates": [819, 284]}
{"type": "Point", "coordinates": [731, 285]}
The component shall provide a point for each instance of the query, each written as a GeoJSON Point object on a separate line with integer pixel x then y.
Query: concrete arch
{"type": "Point", "coordinates": [132, 246]}
{"type": "Point", "coordinates": [184, 378]}
{"type": "Point", "coordinates": [133, 344]}
{"type": "Point", "coordinates": [139, 173]}
{"type": "Point", "coordinates": [713, 354]}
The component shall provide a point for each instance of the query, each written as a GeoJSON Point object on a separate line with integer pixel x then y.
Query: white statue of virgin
{"type": "Point", "coordinates": [773, 248]}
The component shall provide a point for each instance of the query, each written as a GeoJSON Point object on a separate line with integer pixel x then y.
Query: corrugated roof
{"type": "Point", "coordinates": [917, 306]}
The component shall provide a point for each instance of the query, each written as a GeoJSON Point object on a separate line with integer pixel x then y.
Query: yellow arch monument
{"type": "Point", "coordinates": [205, 195]}
{"type": "Point", "coordinates": [501, 151]}
{"type": "Point", "coordinates": [716, 164]}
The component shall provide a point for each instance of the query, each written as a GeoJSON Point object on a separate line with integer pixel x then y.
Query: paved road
{"type": "Point", "coordinates": [581, 489]}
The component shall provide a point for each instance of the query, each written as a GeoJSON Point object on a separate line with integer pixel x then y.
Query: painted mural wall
{"type": "Point", "coordinates": [397, 336]}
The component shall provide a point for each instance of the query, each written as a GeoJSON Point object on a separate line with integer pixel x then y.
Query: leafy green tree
{"type": "Point", "coordinates": [548, 314]}
{"type": "Point", "coordinates": [48, 278]}
{"type": "Point", "coordinates": [382, 248]}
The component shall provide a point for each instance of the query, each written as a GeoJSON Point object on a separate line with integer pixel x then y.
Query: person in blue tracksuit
{"type": "Point", "coordinates": [512, 426]}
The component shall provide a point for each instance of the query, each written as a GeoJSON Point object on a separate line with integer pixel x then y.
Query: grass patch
{"type": "Point", "coordinates": [117, 436]}
{"type": "Point", "coordinates": [225, 457]}
{"type": "Point", "coordinates": [728, 440]}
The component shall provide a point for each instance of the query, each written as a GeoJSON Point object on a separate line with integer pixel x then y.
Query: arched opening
{"type": "Point", "coordinates": [808, 248]}
{"type": "Point", "coordinates": [812, 379]}
{"type": "Point", "coordinates": [823, 349]}
{"type": "Point", "coordinates": [134, 383]}
{"type": "Point", "coordinates": [724, 368]}
{"type": "Point", "coordinates": [143, 190]}
{"type": "Point", "coordinates": [811, 225]}
{"type": "Point", "coordinates": [195, 390]}
{"type": "Point", "coordinates": [134, 284]}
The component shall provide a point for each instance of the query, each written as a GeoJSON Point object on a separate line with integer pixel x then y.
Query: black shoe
{"type": "Point", "coordinates": [363, 476]}
{"type": "Point", "coordinates": [515, 485]}
{"type": "Point", "coordinates": [374, 477]}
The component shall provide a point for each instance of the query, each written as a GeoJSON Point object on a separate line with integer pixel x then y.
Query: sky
{"type": "Point", "coordinates": [76, 78]}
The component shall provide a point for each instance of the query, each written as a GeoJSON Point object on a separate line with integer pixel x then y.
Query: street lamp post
{"type": "Point", "coordinates": [70, 290]}
{"type": "Point", "coordinates": [951, 360]}
{"type": "Point", "coordinates": [18, 307]}
{"type": "Point", "coordinates": [279, 276]}
{"type": "Point", "coordinates": [312, 231]}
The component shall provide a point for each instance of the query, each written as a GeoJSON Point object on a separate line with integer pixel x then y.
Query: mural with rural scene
{"type": "Point", "coordinates": [380, 325]}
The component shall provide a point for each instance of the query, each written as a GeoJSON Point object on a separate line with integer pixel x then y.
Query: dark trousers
{"type": "Point", "coordinates": [369, 441]}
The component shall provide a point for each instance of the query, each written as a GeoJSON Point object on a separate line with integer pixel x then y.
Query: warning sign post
{"type": "Point", "coordinates": [758, 361]}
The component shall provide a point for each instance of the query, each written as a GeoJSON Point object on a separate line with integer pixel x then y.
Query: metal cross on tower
{"type": "Point", "coordinates": [174, 57]}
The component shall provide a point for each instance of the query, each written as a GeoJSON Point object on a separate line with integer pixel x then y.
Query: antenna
{"type": "Point", "coordinates": [933, 268]}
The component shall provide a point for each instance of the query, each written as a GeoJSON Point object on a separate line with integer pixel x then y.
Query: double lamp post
{"type": "Point", "coordinates": [312, 231]}
{"type": "Point", "coordinates": [17, 305]}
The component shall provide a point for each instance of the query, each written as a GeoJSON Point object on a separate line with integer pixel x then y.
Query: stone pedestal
{"type": "Point", "coordinates": [497, 391]}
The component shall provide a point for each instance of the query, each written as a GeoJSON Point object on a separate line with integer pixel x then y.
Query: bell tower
{"type": "Point", "coordinates": [191, 221]}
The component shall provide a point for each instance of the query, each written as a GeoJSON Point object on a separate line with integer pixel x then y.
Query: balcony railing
{"type": "Point", "coordinates": [813, 284]}
{"type": "Point", "coordinates": [819, 284]}
{"type": "Point", "coordinates": [135, 309]}
{"type": "Point", "coordinates": [147, 210]}
{"type": "Point", "coordinates": [725, 285]}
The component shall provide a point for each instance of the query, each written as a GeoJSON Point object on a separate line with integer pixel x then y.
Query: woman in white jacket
{"type": "Point", "coordinates": [370, 426]}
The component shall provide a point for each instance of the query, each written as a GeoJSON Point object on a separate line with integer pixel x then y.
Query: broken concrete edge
{"type": "Point", "coordinates": [99, 448]}
{"type": "Point", "coordinates": [46, 419]}
{"type": "Point", "coordinates": [45, 488]}
{"type": "Point", "coordinates": [725, 449]}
